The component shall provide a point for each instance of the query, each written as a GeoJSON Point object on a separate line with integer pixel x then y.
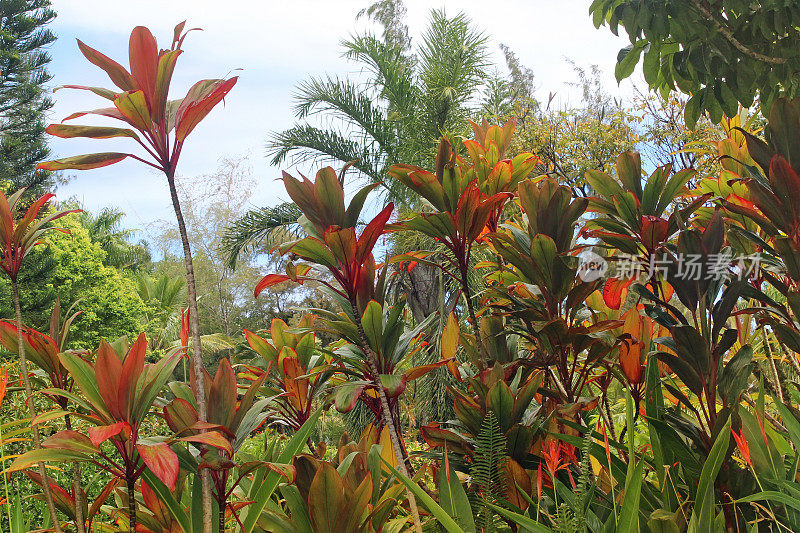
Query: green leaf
{"type": "Point", "coordinates": [453, 499]}
{"type": "Point", "coordinates": [704, 513]}
{"type": "Point", "coordinates": [438, 513]}
{"type": "Point", "coordinates": [521, 520]}
{"type": "Point", "coordinates": [372, 322]}
{"type": "Point", "coordinates": [629, 515]}
{"type": "Point", "coordinates": [260, 493]}
{"type": "Point", "coordinates": [627, 58]}
{"type": "Point", "coordinates": [501, 401]}
{"type": "Point", "coordinates": [176, 509]}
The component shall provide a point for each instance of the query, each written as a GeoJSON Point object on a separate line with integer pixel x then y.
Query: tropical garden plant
{"type": "Point", "coordinates": [614, 360]}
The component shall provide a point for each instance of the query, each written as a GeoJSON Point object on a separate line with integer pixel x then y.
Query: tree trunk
{"type": "Point", "coordinates": [197, 356]}
{"type": "Point", "coordinates": [23, 363]}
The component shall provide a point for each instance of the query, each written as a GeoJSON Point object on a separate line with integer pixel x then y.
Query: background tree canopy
{"type": "Point", "coordinates": [23, 96]}
{"type": "Point", "coordinates": [722, 53]}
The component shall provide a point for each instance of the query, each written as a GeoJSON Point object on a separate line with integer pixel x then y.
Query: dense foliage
{"type": "Point", "coordinates": [614, 335]}
{"type": "Point", "coordinates": [723, 53]}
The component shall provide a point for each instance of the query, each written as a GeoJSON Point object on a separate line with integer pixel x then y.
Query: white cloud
{"type": "Point", "coordinates": [276, 44]}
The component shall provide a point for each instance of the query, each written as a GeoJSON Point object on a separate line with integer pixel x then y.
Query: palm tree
{"type": "Point", "coordinates": [411, 97]}
{"type": "Point", "coordinates": [106, 229]}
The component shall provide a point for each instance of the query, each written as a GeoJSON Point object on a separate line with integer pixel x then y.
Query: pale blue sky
{"type": "Point", "coordinates": [275, 44]}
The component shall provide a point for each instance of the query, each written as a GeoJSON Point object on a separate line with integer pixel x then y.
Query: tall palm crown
{"type": "Point", "coordinates": [409, 98]}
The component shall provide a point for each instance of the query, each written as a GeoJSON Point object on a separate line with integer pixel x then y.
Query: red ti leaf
{"type": "Point", "coordinates": [115, 71]}
{"type": "Point", "coordinates": [108, 369]}
{"type": "Point", "coordinates": [268, 281]}
{"type": "Point", "coordinates": [196, 111]}
{"type": "Point", "coordinates": [368, 238]}
{"type": "Point", "coordinates": [143, 54]}
{"type": "Point", "coordinates": [212, 438]}
{"type": "Point", "coordinates": [101, 434]}
{"type": "Point", "coordinates": [162, 461]}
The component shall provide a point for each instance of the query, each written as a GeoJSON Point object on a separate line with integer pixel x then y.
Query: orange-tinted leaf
{"type": "Point", "coordinates": [614, 290]}
{"type": "Point", "coordinates": [162, 461]}
{"type": "Point", "coordinates": [419, 371]}
{"type": "Point", "coordinates": [101, 434]}
{"type": "Point", "coordinates": [268, 281]}
{"type": "Point", "coordinates": [66, 131]}
{"type": "Point", "coordinates": [180, 415]}
{"type": "Point", "coordinates": [436, 436]}
{"type": "Point", "coordinates": [83, 162]}
{"type": "Point", "coordinates": [296, 389]}
{"type": "Point", "coordinates": [197, 111]}
{"type": "Point", "coordinates": [450, 337]}
{"type": "Point", "coordinates": [326, 499]}
{"type": "Point", "coordinates": [261, 347]}
{"type": "Point", "coordinates": [222, 398]}
{"type": "Point", "coordinates": [143, 55]}
{"type": "Point", "coordinates": [134, 108]}
{"type": "Point", "coordinates": [70, 440]}
{"type": "Point", "coordinates": [342, 243]}
{"type": "Point", "coordinates": [115, 71]}
{"type": "Point", "coordinates": [212, 438]}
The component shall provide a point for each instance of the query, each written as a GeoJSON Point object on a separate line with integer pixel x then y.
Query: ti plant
{"type": "Point", "coordinates": [160, 127]}
{"type": "Point", "coordinates": [394, 347]}
{"type": "Point", "coordinates": [332, 244]}
{"type": "Point", "coordinates": [348, 494]}
{"type": "Point", "coordinates": [296, 370]}
{"type": "Point", "coordinates": [635, 218]}
{"type": "Point", "coordinates": [117, 393]}
{"type": "Point", "coordinates": [42, 350]}
{"type": "Point", "coordinates": [543, 292]}
{"type": "Point", "coordinates": [232, 418]}
{"type": "Point", "coordinates": [464, 202]}
{"type": "Point", "coordinates": [19, 233]}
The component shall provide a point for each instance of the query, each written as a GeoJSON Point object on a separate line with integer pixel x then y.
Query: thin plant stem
{"type": "Point", "coordinates": [197, 354]}
{"type": "Point", "coordinates": [76, 484]}
{"type": "Point", "coordinates": [23, 363]}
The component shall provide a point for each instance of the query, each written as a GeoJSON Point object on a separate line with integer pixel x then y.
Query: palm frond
{"type": "Point", "coordinates": [265, 226]}
{"type": "Point", "coordinates": [344, 100]}
{"type": "Point", "coordinates": [392, 71]}
{"type": "Point", "coordinates": [454, 59]}
{"type": "Point", "coordinates": [304, 143]}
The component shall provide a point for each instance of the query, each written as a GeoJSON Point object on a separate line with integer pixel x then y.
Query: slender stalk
{"type": "Point", "coordinates": [388, 419]}
{"type": "Point", "coordinates": [222, 502]}
{"type": "Point", "coordinates": [131, 501]}
{"type": "Point", "coordinates": [76, 487]}
{"type": "Point", "coordinates": [197, 354]}
{"type": "Point", "coordinates": [23, 363]}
